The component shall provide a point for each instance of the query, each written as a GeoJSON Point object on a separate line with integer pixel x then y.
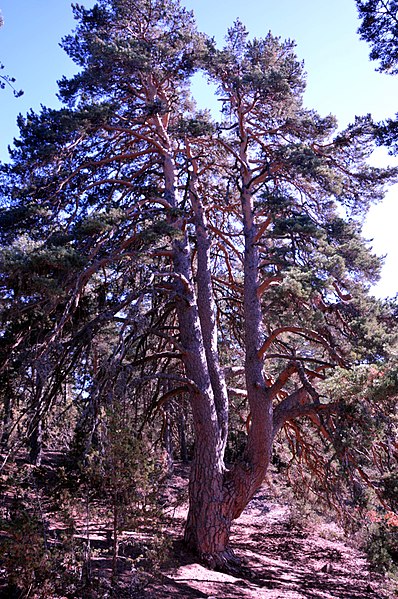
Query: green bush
{"type": "Point", "coordinates": [382, 547]}
{"type": "Point", "coordinates": [36, 564]}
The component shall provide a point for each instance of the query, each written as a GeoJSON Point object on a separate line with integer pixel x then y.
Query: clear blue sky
{"type": "Point", "coordinates": [340, 80]}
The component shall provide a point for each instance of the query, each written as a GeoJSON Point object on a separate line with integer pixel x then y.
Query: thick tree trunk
{"type": "Point", "coordinates": [208, 526]}
{"type": "Point", "coordinates": [207, 529]}
{"type": "Point", "coordinates": [217, 498]}
{"type": "Point", "coordinates": [207, 308]}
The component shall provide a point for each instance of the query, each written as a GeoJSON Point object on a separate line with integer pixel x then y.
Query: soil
{"type": "Point", "coordinates": [281, 560]}
{"type": "Point", "coordinates": [281, 557]}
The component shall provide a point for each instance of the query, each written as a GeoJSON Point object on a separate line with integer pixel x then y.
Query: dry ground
{"type": "Point", "coordinates": [281, 561]}
{"type": "Point", "coordinates": [281, 558]}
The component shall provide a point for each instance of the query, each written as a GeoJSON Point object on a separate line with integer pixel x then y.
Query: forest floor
{"type": "Point", "coordinates": [283, 555]}
{"type": "Point", "coordinates": [283, 559]}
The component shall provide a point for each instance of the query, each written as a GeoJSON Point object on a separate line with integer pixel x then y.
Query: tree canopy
{"type": "Point", "coordinates": [379, 27]}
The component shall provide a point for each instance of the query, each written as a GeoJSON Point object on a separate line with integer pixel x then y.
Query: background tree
{"type": "Point", "coordinates": [149, 249]}
{"type": "Point", "coordinates": [379, 28]}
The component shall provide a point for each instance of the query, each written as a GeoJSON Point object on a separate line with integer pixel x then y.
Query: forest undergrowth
{"type": "Point", "coordinates": [63, 536]}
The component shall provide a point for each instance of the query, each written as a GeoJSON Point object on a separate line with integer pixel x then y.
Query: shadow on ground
{"type": "Point", "coordinates": [279, 562]}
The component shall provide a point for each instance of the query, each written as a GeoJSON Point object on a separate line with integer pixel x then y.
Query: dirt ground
{"type": "Point", "coordinates": [281, 561]}
{"type": "Point", "coordinates": [281, 558]}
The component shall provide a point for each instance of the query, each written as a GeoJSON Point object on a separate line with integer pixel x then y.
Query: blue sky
{"type": "Point", "coordinates": [340, 78]}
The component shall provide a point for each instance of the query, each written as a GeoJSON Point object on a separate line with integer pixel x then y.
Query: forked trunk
{"type": "Point", "coordinates": [208, 524]}
{"type": "Point", "coordinates": [216, 498]}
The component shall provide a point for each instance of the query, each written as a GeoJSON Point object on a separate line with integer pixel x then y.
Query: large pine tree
{"type": "Point", "coordinates": [221, 259]}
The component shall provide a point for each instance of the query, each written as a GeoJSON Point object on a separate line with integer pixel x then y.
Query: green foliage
{"type": "Point", "coordinates": [198, 125]}
{"type": "Point", "coordinates": [379, 27]}
{"type": "Point", "coordinates": [364, 420]}
{"type": "Point", "coordinates": [23, 553]}
{"type": "Point", "coordinates": [124, 475]}
{"type": "Point", "coordinates": [103, 44]}
{"type": "Point", "coordinates": [124, 470]}
{"type": "Point", "coordinates": [37, 561]}
{"type": "Point", "coordinates": [389, 487]}
{"type": "Point", "coordinates": [42, 550]}
{"type": "Point", "coordinates": [36, 268]}
{"type": "Point", "coordinates": [381, 546]}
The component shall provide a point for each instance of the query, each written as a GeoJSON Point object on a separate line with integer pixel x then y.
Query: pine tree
{"type": "Point", "coordinates": [146, 246]}
{"type": "Point", "coordinates": [379, 27]}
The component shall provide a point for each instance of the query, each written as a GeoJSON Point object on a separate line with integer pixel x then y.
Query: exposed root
{"type": "Point", "coordinates": [224, 561]}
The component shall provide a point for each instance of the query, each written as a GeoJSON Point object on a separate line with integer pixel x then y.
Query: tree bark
{"type": "Point", "coordinates": [35, 437]}
{"type": "Point", "coordinates": [207, 308]}
{"type": "Point", "coordinates": [217, 496]}
{"type": "Point", "coordinates": [207, 527]}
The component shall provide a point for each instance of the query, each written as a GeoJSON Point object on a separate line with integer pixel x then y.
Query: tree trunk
{"type": "Point", "coordinates": [208, 526]}
{"type": "Point", "coordinates": [167, 438]}
{"type": "Point", "coordinates": [207, 307]}
{"type": "Point", "coordinates": [217, 498]}
{"type": "Point", "coordinates": [35, 438]}
{"type": "Point", "coordinates": [207, 529]}
{"type": "Point", "coordinates": [85, 430]}
{"type": "Point", "coordinates": [7, 417]}
{"type": "Point", "coordinates": [182, 435]}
